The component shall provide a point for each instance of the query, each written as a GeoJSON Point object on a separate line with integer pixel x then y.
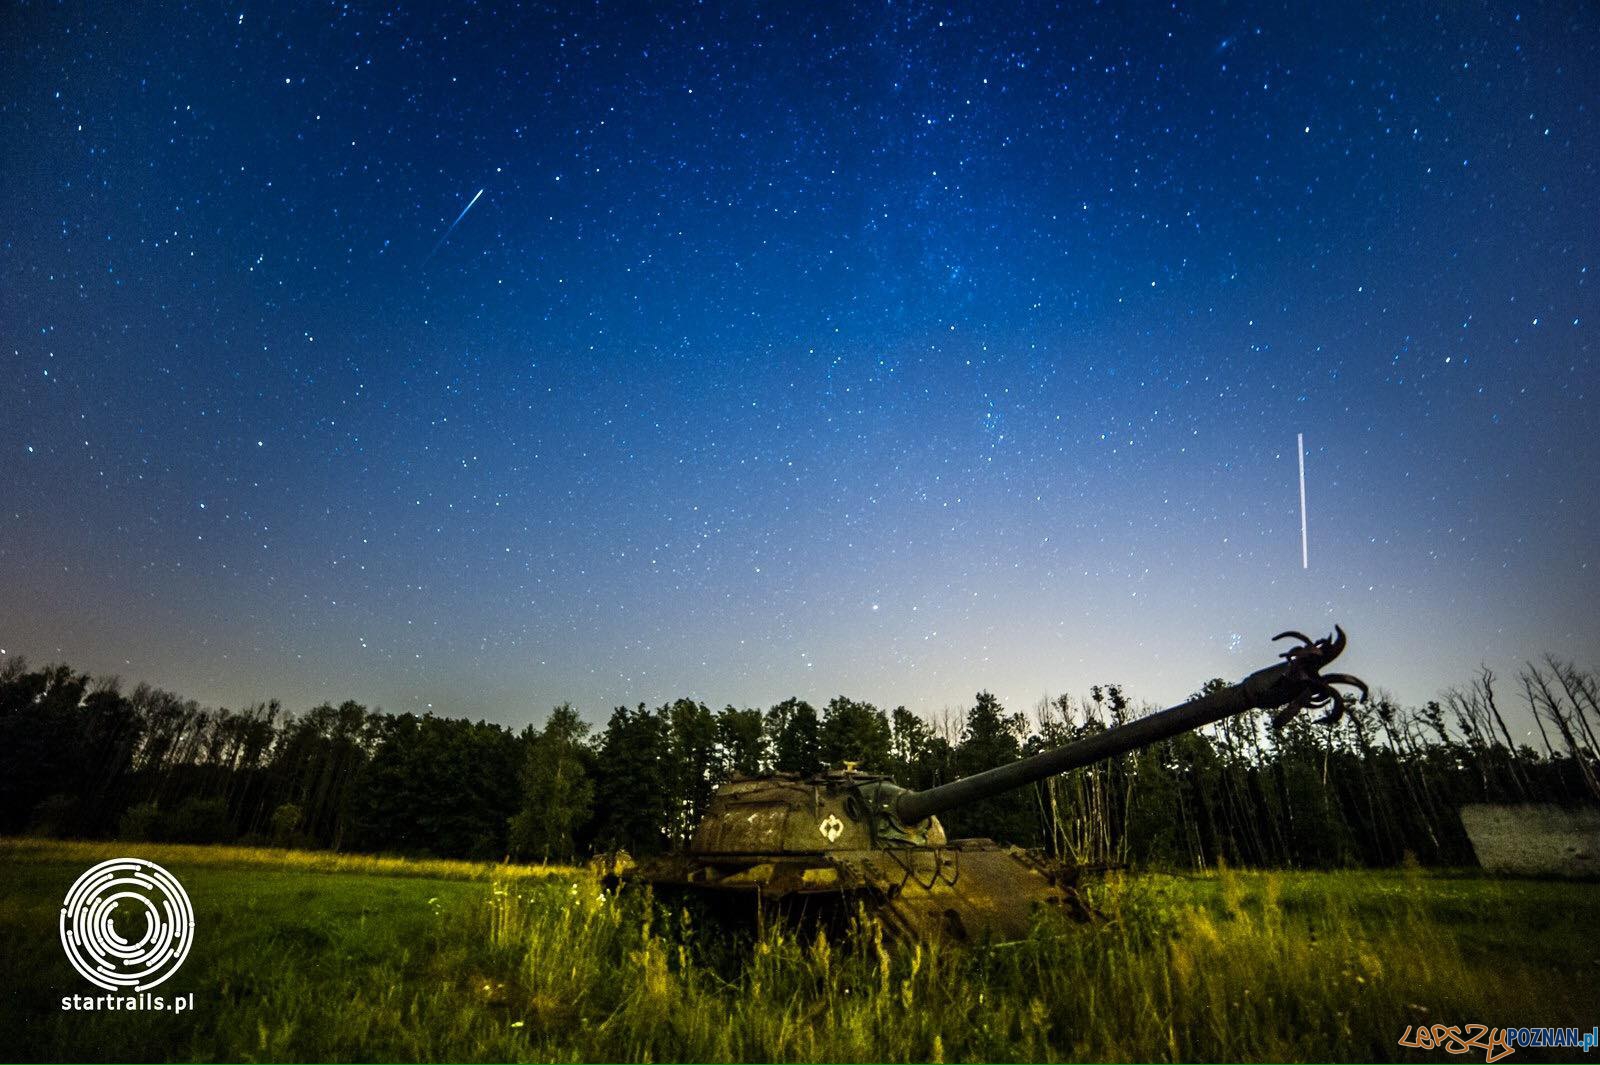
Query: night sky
{"type": "Point", "coordinates": [895, 351]}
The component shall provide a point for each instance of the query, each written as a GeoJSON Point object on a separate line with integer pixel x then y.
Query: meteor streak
{"type": "Point", "coordinates": [453, 225]}
{"type": "Point", "coordinates": [1305, 556]}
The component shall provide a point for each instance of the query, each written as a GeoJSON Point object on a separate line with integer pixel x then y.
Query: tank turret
{"type": "Point", "coordinates": [847, 834]}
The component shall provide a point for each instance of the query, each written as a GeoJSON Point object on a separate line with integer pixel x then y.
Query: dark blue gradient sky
{"type": "Point", "coordinates": [899, 351]}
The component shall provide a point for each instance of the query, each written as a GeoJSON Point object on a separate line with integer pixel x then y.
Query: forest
{"type": "Point", "coordinates": [81, 757]}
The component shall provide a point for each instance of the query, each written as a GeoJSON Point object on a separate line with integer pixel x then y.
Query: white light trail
{"type": "Point", "coordinates": [453, 225]}
{"type": "Point", "coordinates": [1305, 555]}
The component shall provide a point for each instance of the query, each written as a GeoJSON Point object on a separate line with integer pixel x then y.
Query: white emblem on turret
{"type": "Point", "coordinates": [831, 827]}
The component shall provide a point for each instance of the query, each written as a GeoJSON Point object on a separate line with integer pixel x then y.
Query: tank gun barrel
{"type": "Point", "coordinates": [1292, 684]}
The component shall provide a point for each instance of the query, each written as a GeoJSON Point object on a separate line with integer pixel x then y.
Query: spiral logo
{"type": "Point", "coordinates": [90, 937]}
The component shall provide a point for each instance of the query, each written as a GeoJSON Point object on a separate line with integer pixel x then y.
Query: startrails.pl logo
{"type": "Point", "coordinates": [102, 954]}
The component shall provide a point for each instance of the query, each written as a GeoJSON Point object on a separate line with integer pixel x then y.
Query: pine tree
{"type": "Point", "coordinates": [989, 738]}
{"type": "Point", "coordinates": [796, 737]}
{"type": "Point", "coordinates": [557, 794]}
{"type": "Point", "coordinates": [855, 732]}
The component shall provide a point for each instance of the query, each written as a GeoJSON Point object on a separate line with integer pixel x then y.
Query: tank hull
{"type": "Point", "coordinates": [969, 890]}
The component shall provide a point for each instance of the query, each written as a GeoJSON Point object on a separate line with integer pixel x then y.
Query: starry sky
{"type": "Point", "coordinates": [892, 350]}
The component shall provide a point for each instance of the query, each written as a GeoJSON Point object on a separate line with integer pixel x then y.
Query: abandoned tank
{"type": "Point", "coordinates": [787, 841]}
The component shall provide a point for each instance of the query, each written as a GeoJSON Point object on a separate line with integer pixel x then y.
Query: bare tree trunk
{"type": "Point", "coordinates": [1552, 705]}
{"type": "Point", "coordinates": [1538, 719]}
{"type": "Point", "coordinates": [1486, 689]}
{"type": "Point", "coordinates": [1567, 675]}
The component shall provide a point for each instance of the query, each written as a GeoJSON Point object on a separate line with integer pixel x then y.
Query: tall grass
{"type": "Point", "coordinates": [15, 848]}
{"type": "Point", "coordinates": [1251, 966]}
{"type": "Point", "coordinates": [320, 957]}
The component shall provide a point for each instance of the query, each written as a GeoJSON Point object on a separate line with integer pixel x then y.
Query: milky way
{"type": "Point", "coordinates": [897, 351]}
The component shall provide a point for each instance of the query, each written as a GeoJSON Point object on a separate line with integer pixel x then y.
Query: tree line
{"type": "Point", "coordinates": [82, 757]}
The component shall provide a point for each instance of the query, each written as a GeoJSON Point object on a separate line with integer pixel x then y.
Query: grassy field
{"type": "Point", "coordinates": [321, 957]}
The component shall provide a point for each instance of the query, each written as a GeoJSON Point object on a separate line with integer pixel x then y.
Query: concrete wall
{"type": "Point", "coordinates": [1535, 840]}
